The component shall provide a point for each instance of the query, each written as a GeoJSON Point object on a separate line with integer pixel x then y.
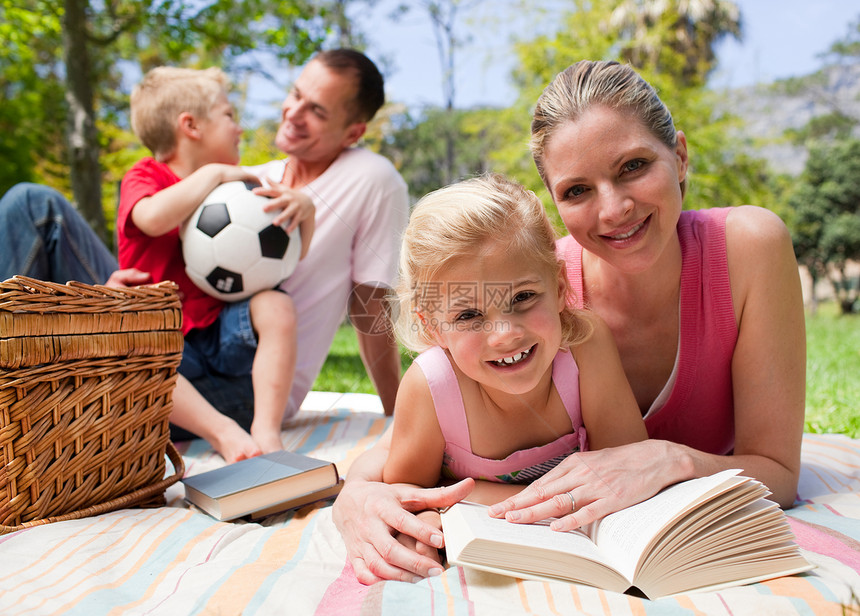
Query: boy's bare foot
{"type": "Point", "coordinates": [235, 444]}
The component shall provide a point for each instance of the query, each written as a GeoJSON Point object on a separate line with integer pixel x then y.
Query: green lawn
{"type": "Point", "coordinates": [833, 370]}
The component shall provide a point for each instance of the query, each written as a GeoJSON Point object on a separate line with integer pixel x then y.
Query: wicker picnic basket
{"type": "Point", "coordinates": [86, 387]}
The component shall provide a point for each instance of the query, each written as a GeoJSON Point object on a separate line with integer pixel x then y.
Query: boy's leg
{"type": "Point", "coordinates": [274, 319]}
{"type": "Point", "coordinates": [204, 401]}
{"type": "Point", "coordinates": [44, 237]}
{"type": "Point", "coordinates": [193, 413]}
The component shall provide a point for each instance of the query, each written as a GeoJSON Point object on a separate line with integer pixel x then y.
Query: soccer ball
{"type": "Point", "coordinates": [231, 248]}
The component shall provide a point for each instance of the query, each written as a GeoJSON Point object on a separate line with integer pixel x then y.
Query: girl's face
{"type": "Point", "coordinates": [497, 313]}
{"type": "Point", "coordinates": [617, 186]}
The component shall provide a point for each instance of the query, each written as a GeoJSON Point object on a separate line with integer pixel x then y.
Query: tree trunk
{"type": "Point", "coordinates": [82, 136]}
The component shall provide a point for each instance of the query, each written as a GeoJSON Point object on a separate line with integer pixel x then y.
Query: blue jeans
{"type": "Point", "coordinates": [44, 237]}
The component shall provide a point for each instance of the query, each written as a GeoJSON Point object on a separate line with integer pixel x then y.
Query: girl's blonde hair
{"type": "Point", "coordinates": [589, 84]}
{"type": "Point", "coordinates": [163, 94]}
{"type": "Point", "coordinates": [454, 221]}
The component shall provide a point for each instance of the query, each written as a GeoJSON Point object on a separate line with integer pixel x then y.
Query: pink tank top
{"type": "Point", "coordinates": [699, 410]}
{"type": "Point", "coordinates": [521, 466]}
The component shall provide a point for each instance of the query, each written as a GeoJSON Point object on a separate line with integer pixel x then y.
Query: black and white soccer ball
{"type": "Point", "coordinates": [231, 248]}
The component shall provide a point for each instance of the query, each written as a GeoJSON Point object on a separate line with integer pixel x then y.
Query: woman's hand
{"type": "Point", "coordinates": [600, 482]}
{"type": "Point", "coordinates": [369, 514]}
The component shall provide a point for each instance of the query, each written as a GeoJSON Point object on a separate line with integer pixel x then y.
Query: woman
{"type": "Point", "coordinates": [705, 307]}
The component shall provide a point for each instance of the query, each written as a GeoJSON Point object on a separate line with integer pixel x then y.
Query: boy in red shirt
{"type": "Point", "coordinates": [184, 118]}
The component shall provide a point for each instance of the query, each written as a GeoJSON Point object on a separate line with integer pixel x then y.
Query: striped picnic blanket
{"type": "Point", "coordinates": [174, 560]}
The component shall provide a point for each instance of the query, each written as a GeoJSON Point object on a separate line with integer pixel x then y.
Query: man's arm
{"type": "Point", "coordinates": [369, 313]}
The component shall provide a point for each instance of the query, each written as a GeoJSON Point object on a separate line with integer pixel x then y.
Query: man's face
{"type": "Point", "coordinates": [316, 122]}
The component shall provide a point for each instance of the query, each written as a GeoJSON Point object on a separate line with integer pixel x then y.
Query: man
{"type": "Point", "coordinates": [361, 208]}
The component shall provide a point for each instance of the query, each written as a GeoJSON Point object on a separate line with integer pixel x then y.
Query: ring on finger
{"type": "Point", "coordinates": [572, 501]}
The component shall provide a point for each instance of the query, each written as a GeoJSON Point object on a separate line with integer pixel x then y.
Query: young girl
{"type": "Point", "coordinates": [511, 376]}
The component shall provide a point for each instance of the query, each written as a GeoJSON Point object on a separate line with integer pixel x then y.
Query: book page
{"type": "Point", "coordinates": [623, 536]}
{"type": "Point", "coordinates": [474, 538]}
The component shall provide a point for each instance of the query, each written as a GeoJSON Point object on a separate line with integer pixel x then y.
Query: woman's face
{"type": "Point", "coordinates": [616, 186]}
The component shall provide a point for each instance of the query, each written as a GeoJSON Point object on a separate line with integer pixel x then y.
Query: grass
{"type": "Point", "coordinates": [343, 369]}
{"type": "Point", "coordinates": [833, 370]}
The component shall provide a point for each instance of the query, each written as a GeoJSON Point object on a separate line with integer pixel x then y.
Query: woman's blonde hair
{"type": "Point", "coordinates": [163, 94]}
{"type": "Point", "coordinates": [588, 84]}
{"type": "Point", "coordinates": [454, 221]}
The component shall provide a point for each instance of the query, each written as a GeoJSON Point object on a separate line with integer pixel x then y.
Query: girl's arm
{"type": "Point", "coordinates": [417, 443]}
{"type": "Point", "coordinates": [609, 409]}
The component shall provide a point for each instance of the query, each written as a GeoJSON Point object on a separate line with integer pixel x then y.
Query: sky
{"type": "Point", "coordinates": [782, 38]}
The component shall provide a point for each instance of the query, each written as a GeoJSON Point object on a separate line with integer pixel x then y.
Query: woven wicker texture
{"type": "Point", "coordinates": [86, 382]}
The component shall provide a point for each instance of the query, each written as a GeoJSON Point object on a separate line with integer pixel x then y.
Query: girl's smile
{"type": "Point", "coordinates": [514, 360]}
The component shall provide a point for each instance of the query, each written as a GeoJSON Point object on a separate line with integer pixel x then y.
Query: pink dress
{"type": "Point", "coordinates": [522, 466]}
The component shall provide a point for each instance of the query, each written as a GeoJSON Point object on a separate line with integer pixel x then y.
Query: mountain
{"type": "Point", "coordinates": [769, 110]}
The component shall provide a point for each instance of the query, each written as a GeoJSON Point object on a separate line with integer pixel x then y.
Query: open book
{"type": "Point", "coordinates": [701, 534]}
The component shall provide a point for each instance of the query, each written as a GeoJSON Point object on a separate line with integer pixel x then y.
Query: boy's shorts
{"type": "Point", "coordinates": [217, 361]}
{"type": "Point", "coordinates": [226, 347]}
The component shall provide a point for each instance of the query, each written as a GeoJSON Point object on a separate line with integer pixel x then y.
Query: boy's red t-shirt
{"type": "Point", "coordinates": [160, 256]}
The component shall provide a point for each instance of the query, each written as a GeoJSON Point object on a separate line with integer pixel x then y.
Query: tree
{"type": "Point", "coordinates": [825, 216]}
{"type": "Point", "coordinates": [444, 16]}
{"type": "Point", "coordinates": [693, 27]}
{"type": "Point", "coordinates": [419, 141]}
{"type": "Point", "coordinates": [30, 103]}
{"type": "Point", "coordinates": [98, 36]}
{"type": "Point", "coordinates": [673, 50]}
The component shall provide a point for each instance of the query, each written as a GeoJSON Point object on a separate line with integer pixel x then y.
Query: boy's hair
{"type": "Point", "coordinates": [454, 221]}
{"type": "Point", "coordinates": [163, 94]}
{"type": "Point", "coordinates": [588, 84]}
{"type": "Point", "coordinates": [370, 93]}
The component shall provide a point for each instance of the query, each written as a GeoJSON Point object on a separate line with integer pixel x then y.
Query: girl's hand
{"type": "Point", "coordinates": [600, 482]}
{"type": "Point", "coordinates": [368, 514]}
{"type": "Point", "coordinates": [432, 518]}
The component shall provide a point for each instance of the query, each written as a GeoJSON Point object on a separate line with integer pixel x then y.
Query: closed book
{"type": "Point", "coordinates": [301, 501]}
{"type": "Point", "coordinates": [260, 483]}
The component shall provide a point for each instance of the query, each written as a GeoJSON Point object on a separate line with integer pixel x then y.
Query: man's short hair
{"type": "Point", "coordinates": [163, 94]}
{"type": "Point", "coordinates": [370, 95]}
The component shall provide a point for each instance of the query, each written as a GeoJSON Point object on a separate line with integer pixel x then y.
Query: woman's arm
{"type": "Point", "coordinates": [769, 362]}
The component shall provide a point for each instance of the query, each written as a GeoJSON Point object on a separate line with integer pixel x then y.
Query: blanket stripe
{"type": "Point", "coordinates": [175, 561]}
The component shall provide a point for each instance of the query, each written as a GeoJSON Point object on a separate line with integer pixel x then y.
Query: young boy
{"type": "Point", "coordinates": [184, 118]}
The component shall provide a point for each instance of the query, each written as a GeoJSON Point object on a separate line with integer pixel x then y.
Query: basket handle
{"type": "Point", "coordinates": [120, 502]}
